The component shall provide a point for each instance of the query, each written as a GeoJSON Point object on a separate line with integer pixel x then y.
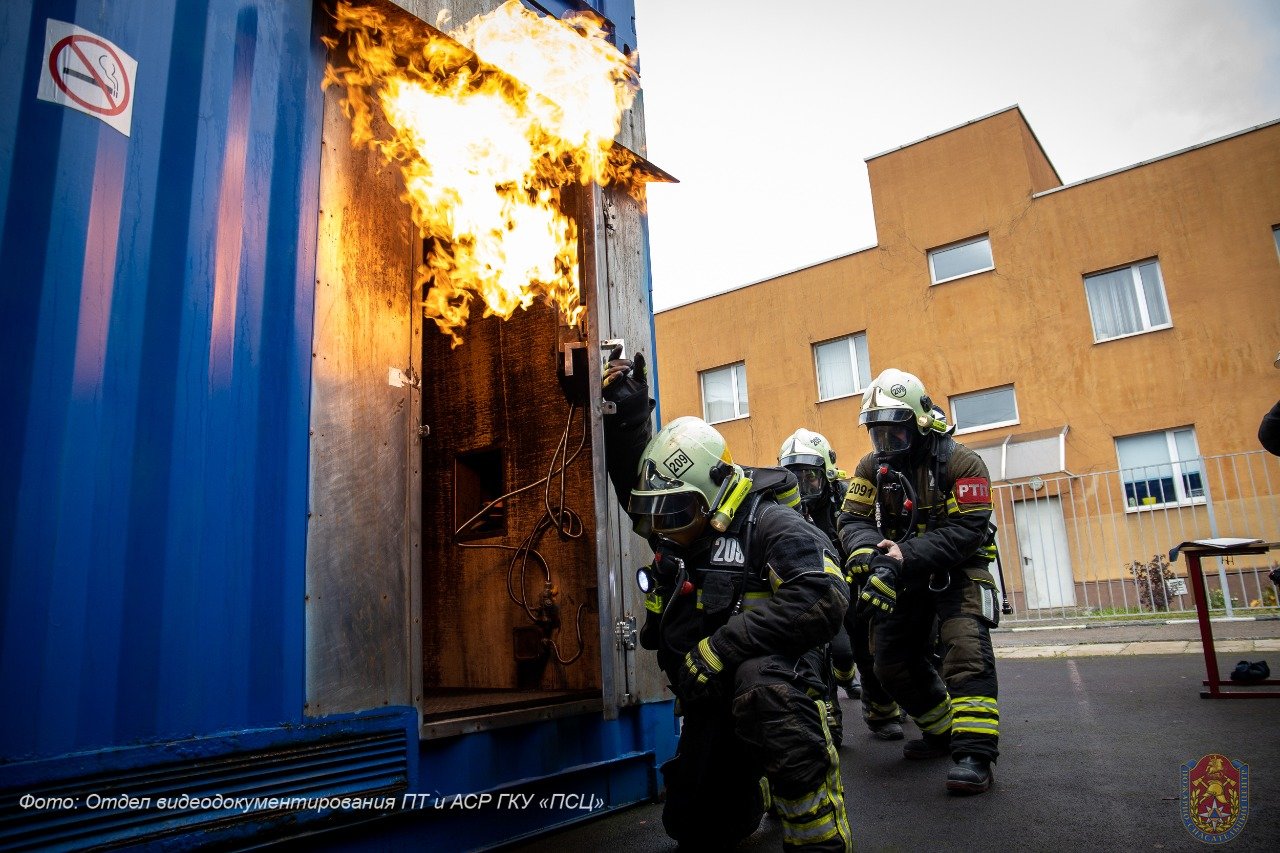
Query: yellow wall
{"type": "Point", "coordinates": [1206, 213]}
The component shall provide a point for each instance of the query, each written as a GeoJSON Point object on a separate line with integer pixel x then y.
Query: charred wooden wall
{"type": "Point", "coordinates": [500, 391]}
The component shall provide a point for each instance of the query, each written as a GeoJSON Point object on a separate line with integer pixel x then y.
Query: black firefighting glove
{"type": "Point", "coordinates": [626, 385]}
{"type": "Point", "coordinates": [880, 593]}
{"type": "Point", "coordinates": [702, 676]}
{"type": "Point", "coordinates": [858, 565]}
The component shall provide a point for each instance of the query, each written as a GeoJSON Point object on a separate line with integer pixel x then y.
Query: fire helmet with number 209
{"type": "Point", "coordinates": [685, 472]}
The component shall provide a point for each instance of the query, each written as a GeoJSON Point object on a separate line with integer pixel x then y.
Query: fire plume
{"type": "Point", "coordinates": [487, 125]}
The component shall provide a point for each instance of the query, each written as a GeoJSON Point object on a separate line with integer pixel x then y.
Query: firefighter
{"type": "Point", "coordinates": [810, 457]}
{"type": "Point", "coordinates": [916, 520]}
{"type": "Point", "coordinates": [740, 598]}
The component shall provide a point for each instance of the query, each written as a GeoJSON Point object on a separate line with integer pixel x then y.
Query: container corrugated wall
{"type": "Point", "coordinates": [155, 328]}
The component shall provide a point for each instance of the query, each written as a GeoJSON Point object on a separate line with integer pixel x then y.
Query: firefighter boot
{"type": "Point", "coordinates": [929, 746]}
{"type": "Point", "coordinates": [971, 775]}
{"type": "Point", "coordinates": [886, 729]}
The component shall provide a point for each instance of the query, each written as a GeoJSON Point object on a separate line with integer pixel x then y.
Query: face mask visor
{"type": "Point", "coordinates": [890, 439]}
{"type": "Point", "coordinates": [813, 481]}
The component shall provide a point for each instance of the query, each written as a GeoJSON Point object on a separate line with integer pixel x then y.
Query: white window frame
{"type": "Point", "coordinates": [1181, 496]}
{"type": "Point", "coordinates": [854, 362]}
{"type": "Point", "coordinates": [961, 430]}
{"type": "Point", "coordinates": [738, 413]}
{"type": "Point", "coordinates": [984, 238]}
{"type": "Point", "coordinates": [1275, 237]}
{"type": "Point", "coordinates": [1139, 293]}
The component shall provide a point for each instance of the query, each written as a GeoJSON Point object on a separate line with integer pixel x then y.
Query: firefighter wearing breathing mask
{"type": "Point", "coordinates": [915, 523]}
{"type": "Point", "coordinates": [823, 488]}
{"type": "Point", "coordinates": [740, 597]}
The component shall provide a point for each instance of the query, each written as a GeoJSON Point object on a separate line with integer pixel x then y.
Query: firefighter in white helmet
{"type": "Point", "coordinates": [916, 523]}
{"type": "Point", "coordinates": [741, 597]}
{"type": "Point", "coordinates": [823, 486]}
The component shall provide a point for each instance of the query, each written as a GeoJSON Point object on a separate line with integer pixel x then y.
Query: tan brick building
{"type": "Point", "coordinates": [1126, 323]}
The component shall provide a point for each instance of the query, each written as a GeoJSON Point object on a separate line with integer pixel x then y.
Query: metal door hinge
{"type": "Point", "coordinates": [625, 632]}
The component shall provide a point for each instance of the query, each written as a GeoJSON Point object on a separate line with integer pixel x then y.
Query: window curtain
{"type": "Point", "coordinates": [835, 369]}
{"type": "Point", "coordinates": [1113, 304]}
{"type": "Point", "coordinates": [717, 395]}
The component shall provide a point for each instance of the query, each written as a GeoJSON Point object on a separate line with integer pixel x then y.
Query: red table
{"type": "Point", "coordinates": [1220, 548]}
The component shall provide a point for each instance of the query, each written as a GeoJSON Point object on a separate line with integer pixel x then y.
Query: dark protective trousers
{"type": "Point", "coordinates": [877, 705]}
{"type": "Point", "coordinates": [774, 728]}
{"type": "Point", "coordinates": [962, 702]}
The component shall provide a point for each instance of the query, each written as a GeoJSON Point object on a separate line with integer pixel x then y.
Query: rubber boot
{"type": "Point", "coordinates": [929, 746]}
{"type": "Point", "coordinates": [853, 689]}
{"type": "Point", "coordinates": [971, 775]}
{"type": "Point", "coordinates": [886, 729]}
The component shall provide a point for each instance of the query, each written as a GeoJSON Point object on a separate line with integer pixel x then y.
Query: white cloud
{"type": "Point", "coordinates": [766, 111]}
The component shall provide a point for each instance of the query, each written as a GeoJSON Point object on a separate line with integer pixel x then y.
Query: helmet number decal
{"type": "Point", "coordinates": [677, 463]}
{"type": "Point", "coordinates": [728, 552]}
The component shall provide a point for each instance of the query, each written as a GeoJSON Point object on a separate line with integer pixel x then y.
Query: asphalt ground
{"type": "Point", "coordinates": [1092, 746]}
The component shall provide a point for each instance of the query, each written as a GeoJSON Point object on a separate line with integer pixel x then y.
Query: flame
{"type": "Point", "coordinates": [487, 125]}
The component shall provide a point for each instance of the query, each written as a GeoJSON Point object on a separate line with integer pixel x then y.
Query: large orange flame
{"type": "Point", "coordinates": [487, 124]}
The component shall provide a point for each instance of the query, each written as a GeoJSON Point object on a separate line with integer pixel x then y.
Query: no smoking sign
{"type": "Point", "coordinates": [87, 73]}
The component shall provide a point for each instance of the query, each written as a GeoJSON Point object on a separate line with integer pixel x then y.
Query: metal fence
{"type": "Point", "coordinates": [1096, 546]}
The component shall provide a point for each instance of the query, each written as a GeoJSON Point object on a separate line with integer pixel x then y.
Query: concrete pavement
{"type": "Point", "coordinates": [1096, 723]}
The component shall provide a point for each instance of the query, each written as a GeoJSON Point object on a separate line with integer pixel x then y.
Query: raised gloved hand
{"type": "Point", "coordinates": [626, 385]}
{"type": "Point", "coordinates": [880, 593]}
{"type": "Point", "coordinates": [703, 669]}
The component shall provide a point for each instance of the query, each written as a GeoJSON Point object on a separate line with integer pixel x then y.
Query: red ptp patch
{"type": "Point", "coordinates": [973, 490]}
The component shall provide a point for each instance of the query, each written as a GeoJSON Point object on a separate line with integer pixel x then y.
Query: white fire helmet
{"type": "Point", "coordinates": [685, 473]}
{"type": "Point", "coordinates": [809, 456]}
{"type": "Point", "coordinates": [896, 408]}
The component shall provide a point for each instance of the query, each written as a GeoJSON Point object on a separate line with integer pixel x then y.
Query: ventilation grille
{"type": "Point", "coordinates": [373, 767]}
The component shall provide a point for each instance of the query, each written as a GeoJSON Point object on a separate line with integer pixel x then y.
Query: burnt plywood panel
{"type": "Point", "coordinates": [358, 579]}
{"type": "Point", "coordinates": [499, 391]}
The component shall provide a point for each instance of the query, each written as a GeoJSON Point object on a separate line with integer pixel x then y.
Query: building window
{"type": "Point", "coordinates": [1275, 235]}
{"type": "Point", "coordinates": [842, 365]}
{"type": "Point", "coordinates": [724, 393]}
{"type": "Point", "coordinates": [1161, 468]}
{"type": "Point", "coordinates": [960, 259]}
{"type": "Point", "coordinates": [984, 409]}
{"type": "Point", "coordinates": [1127, 301]}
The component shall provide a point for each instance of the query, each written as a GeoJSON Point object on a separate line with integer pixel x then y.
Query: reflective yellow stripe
{"type": "Point", "coordinates": [936, 721]}
{"type": "Point", "coordinates": [807, 804]}
{"type": "Point", "coordinates": [789, 498]}
{"type": "Point", "coordinates": [708, 655]}
{"type": "Point", "coordinates": [842, 674]}
{"type": "Point", "coordinates": [774, 580]}
{"type": "Point", "coordinates": [812, 832]}
{"type": "Point", "coordinates": [977, 730]}
{"type": "Point", "coordinates": [829, 566]}
{"type": "Point", "coordinates": [974, 703]}
{"type": "Point", "coordinates": [953, 507]}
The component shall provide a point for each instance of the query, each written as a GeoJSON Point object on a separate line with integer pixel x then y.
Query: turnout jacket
{"type": "Point", "coordinates": [953, 522]}
{"type": "Point", "coordinates": [769, 584]}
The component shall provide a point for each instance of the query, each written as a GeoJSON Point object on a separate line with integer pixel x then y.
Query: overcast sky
{"type": "Point", "coordinates": [766, 111]}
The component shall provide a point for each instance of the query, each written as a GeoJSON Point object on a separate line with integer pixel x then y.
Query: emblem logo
{"type": "Point", "coordinates": [1215, 798]}
{"type": "Point", "coordinates": [898, 390]}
